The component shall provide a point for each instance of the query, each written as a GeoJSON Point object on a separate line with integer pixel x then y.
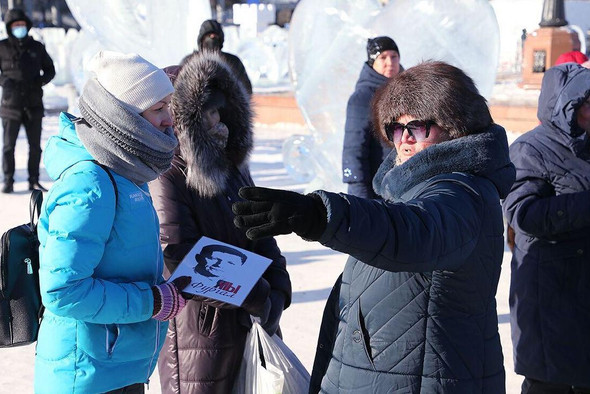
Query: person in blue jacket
{"type": "Point", "coordinates": [106, 308]}
{"type": "Point", "coordinates": [415, 309]}
{"type": "Point", "coordinates": [363, 152]}
{"type": "Point", "coordinates": [549, 210]}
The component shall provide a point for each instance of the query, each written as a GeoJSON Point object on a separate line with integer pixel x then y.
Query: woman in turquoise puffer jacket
{"type": "Point", "coordinates": [100, 256]}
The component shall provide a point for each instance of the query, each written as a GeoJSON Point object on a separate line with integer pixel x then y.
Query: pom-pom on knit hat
{"type": "Point", "coordinates": [131, 79]}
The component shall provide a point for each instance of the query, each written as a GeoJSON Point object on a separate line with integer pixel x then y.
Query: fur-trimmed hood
{"type": "Point", "coordinates": [207, 164]}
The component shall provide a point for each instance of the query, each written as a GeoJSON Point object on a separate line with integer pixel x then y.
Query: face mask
{"type": "Point", "coordinates": [212, 44]}
{"type": "Point", "coordinates": [220, 134]}
{"type": "Point", "coordinates": [19, 32]}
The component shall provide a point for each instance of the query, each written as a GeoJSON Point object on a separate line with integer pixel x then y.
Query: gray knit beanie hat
{"type": "Point", "coordinates": [131, 79]}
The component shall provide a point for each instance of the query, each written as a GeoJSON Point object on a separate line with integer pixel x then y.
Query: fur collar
{"type": "Point", "coordinates": [208, 165]}
{"type": "Point", "coordinates": [483, 154]}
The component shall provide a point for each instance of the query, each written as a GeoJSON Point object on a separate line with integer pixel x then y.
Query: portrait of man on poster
{"type": "Point", "coordinates": [217, 260]}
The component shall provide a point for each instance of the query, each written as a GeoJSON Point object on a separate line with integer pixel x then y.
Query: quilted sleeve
{"type": "Point", "coordinates": [436, 231]}
{"type": "Point", "coordinates": [355, 151]}
{"type": "Point", "coordinates": [532, 206]}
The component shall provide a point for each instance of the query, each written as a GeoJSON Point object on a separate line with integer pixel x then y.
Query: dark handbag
{"type": "Point", "coordinates": [20, 299]}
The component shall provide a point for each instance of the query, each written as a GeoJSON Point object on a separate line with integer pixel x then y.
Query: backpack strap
{"type": "Point", "coordinates": [112, 179]}
{"type": "Point", "coordinates": [35, 208]}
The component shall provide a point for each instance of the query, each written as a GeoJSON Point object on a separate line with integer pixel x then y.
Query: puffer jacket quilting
{"type": "Point", "coordinates": [549, 211]}
{"type": "Point", "coordinates": [25, 66]}
{"type": "Point", "coordinates": [91, 250]}
{"type": "Point", "coordinates": [204, 345]}
{"type": "Point", "coordinates": [417, 309]}
{"type": "Point", "coordinates": [362, 151]}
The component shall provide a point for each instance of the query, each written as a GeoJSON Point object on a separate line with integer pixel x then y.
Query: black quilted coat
{"type": "Point", "coordinates": [415, 310]}
{"type": "Point", "coordinates": [362, 152]}
{"type": "Point", "coordinates": [549, 209]}
{"type": "Point", "coordinates": [204, 345]}
{"type": "Point", "coordinates": [25, 67]}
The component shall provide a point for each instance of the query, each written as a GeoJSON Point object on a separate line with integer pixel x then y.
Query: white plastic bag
{"type": "Point", "coordinates": [282, 373]}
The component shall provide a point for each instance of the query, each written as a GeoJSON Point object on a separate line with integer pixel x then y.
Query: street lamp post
{"type": "Point", "coordinates": [545, 44]}
{"type": "Point", "coordinates": [553, 14]}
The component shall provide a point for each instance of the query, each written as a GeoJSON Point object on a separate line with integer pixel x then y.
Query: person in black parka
{"type": "Point", "coordinates": [549, 210]}
{"type": "Point", "coordinates": [25, 66]}
{"type": "Point", "coordinates": [211, 38]}
{"type": "Point", "coordinates": [415, 308]}
{"type": "Point", "coordinates": [363, 152]}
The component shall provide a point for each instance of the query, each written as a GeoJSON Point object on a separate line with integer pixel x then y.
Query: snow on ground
{"type": "Point", "coordinates": [313, 268]}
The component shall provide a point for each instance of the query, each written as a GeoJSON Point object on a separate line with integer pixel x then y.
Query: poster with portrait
{"type": "Point", "coordinates": [221, 271]}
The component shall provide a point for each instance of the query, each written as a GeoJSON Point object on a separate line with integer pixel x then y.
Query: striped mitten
{"type": "Point", "coordinates": [168, 300]}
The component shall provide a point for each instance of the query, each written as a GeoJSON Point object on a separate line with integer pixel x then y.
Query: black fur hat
{"type": "Point", "coordinates": [377, 45]}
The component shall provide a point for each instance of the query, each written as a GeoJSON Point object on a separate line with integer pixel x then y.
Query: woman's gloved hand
{"type": "Point", "coordinates": [277, 305]}
{"type": "Point", "coordinates": [212, 302]}
{"type": "Point", "coordinates": [257, 302]}
{"type": "Point", "coordinates": [169, 299]}
{"type": "Point", "coordinates": [270, 212]}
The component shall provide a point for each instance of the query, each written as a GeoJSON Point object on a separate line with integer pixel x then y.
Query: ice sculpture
{"type": "Point", "coordinates": [326, 52]}
{"type": "Point", "coordinates": [161, 31]}
{"type": "Point", "coordinates": [463, 33]}
{"type": "Point", "coordinates": [265, 59]}
{"type": "Point", "coordinates": [164, 32]}
{"type": "Point", "coordinates": [327, 41]}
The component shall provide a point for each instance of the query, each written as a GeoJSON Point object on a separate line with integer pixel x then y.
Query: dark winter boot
{"type": "Point", "coordinates": [36, 186]}
{"type": "Point", "coordinates": [8, 186]}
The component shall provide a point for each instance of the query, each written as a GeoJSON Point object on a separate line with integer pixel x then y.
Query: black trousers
{"type": "Point", "coordinates": [11, 129]}
{"type": "Point", "coordinates": [137, 388]}
{"type": "Point", "coordinates": [532, 386]}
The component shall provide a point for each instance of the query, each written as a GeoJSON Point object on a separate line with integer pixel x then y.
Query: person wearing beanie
{"type": "Point", "coordinates": [25, 66]}
{"type": "Point", "coordinates": [101, 263]}
{"type": "Point", "coordinates": [363, 152]}
{"type": "Point", "coordinates": [211, 38]}
{"type": "Point", "coordinates": [213, 123]}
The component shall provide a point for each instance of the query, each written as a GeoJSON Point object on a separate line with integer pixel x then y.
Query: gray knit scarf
{"type": "Point", "coordinates": [120, 138]}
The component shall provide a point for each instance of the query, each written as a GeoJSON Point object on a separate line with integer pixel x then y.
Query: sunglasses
{"type": "Point", "coordinates": [419, 129]}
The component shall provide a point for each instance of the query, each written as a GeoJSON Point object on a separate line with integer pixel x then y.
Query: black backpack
{"type": "Point", "coordinates": [20, 299]}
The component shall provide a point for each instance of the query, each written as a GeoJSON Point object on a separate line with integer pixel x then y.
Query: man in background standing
{"type": "Point", "coordinates": [25, 66]}
{"type": "Point", "coordinates": [211, 38]}
{"type": "Point", "coordinates": [363, 152]}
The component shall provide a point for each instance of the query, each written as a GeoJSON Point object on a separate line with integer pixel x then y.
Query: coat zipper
{"type": "Point", "coordinates": [3, 263]}
{"type": "Point", "coordinates": [29, 266]}
{"type": "Point", "coordinates": [158, 324]}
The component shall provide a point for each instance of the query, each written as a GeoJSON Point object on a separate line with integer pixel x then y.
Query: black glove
{"type": "Point", "coordinates": [272, 212]}
{"type": "Point", "coordinates": [9, 83]}
{"type": "Point", "coordinates": [181, 283]}
{"type": "Point", "coordinates": [257, 302]}
{"type": "Point", "coordinates": [277, 305]}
